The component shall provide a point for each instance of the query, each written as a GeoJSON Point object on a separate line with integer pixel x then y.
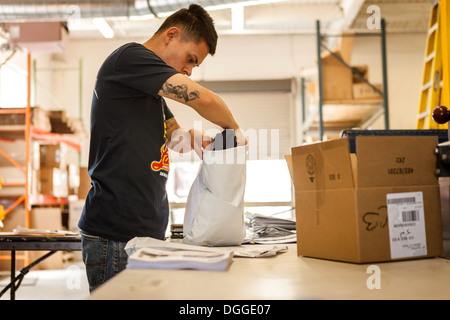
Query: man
{"type": "Point", "coordinates": [131, 128]}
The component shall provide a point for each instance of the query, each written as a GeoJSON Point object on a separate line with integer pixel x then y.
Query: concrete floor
{"type": "Point", "coordinates": [69, 283]}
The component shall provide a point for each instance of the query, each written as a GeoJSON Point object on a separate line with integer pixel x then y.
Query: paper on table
{"type": "Point", "coordinates": [270, 230]}
{"type": "Point", "coordinates": [254, 251]}
{"type": "Point", "coordinates": [149, 253]}
{"type": "Point", "coordinates": [21, 231]}
{"type": "Point", "coordinates": [150, 258]}
{"type": "Point", "coordinates": [259, 251]}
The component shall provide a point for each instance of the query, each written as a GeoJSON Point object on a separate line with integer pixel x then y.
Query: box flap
{"type": "Point", "coordinates": [288, 158]}
{"type": "Point", "coordinates": [322, 166]}
{"type": "Point", "coordinates": [346, 46]}
{"type": "Point", "coordinates": [396, 161]}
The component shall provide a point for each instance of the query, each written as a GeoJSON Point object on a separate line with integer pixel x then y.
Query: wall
{"type": "Point", "coordinates": [19, 61]}
{"type": "Point", "coordinates": [405, 57]}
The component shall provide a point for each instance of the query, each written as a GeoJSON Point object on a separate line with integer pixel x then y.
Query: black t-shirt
{"type": "Point", "coordinates": [128, 156]}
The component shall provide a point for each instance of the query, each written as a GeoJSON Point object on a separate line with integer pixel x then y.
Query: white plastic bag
{"type": "Point", "coordinates": [215, 206]}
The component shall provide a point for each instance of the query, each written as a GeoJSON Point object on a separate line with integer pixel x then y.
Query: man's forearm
{"type": "Point", "coordinates": [214, 109]}
{"type": "Point", "coordinates": [208, 104]}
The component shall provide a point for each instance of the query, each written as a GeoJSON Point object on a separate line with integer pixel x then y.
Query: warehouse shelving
{"type": "Point", "coordinates": [13, 133]}
{"type": "Point", "coordinates": [24, 198]}
{"type": "Point", "coordinates": [346, 113]}
{"type": "Point", "coordinates": [29, 133]}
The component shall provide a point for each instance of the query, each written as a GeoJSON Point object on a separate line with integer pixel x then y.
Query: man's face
{"type": "Point", "coordinates": [183, 56]}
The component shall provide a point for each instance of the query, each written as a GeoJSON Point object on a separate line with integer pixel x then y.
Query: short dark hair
{"type": "Point", "coordinates": [196, 25]}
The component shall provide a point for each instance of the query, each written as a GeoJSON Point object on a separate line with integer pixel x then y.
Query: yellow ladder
{"type": "Point", "coordinates": [435, 84]}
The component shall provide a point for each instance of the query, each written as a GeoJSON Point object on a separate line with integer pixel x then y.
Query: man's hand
{"type": "Point", "coordinates": [240, 137]}
{"type": "Point", "coordinates": [199, 141]}
{"type": "Point", "coordinates": [183, 140]}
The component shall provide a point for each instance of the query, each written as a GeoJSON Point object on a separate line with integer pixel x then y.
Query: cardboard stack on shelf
{"type": "Point", "coordinates": [62, 124]}
{"type": "Point", "coordinates": [54, 172]}
{"type": "Point", "coordinates": [338, 81]}
{"type": "Point", "coordinates": [360, 89]}
{"type": "Point", "coordinates": [54, 169]}
{"type": "Point", "coordinates": [12, 126]}
{"type": "Point", "coordinates": [16, 121]}
{"type": "Point", "coordinates": [53, 179]}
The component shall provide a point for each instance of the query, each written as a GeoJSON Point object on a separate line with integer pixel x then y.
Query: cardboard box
{"type": "Point", "coordinates": [345, 45]}
{"type": "Point", "coordinates": [85, 183]}
{"type": "Point", "coordinates": [59, 115]}
{"type": "Point", "coordinates": [73, 178]}
{"type": "Point", "coordinates": [39, 119]}
{"type": "Point", "coordinates": [48, 219]}
{"type": "Point", "coordinates": [51, 156]}
{"type": "Point", "coordinates": [364, 91]}
{"type": "Point", "coordinates": [363, 71]}
{"type": "Point", "coordinates": [336, 78]}
{"type": "Point", "coordinates": [53, 181]}
{"type": "Point", "coordinates": [342, 206]}
{"type": "Point", "coordinates": [444, 185]}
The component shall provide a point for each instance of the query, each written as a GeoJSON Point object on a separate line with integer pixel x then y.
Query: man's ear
{"type": "Point", "coordinates": [171, 34]}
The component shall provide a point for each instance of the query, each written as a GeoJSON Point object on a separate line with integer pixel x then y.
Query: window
{"type": "Point", "coordinates": [267, 181]}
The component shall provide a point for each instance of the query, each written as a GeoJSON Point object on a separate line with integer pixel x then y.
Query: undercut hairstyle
{"type": "Point", "coordinates": [195, 24]}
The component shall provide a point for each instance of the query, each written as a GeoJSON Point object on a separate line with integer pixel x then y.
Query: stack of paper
{"type": "Point", "coordinates": [148, 253]}
{"type": "Point", "coordinates": [268, 229]}
{"type": "Point", "coordinates": [21, 231]}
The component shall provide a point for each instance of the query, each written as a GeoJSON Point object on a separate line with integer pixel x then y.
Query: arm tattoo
{"type": "Point", "coordinates": [180, 91]}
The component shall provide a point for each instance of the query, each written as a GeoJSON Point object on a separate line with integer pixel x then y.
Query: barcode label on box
{"type": "Point", "coordinates": [402, 200]}
{"type": "Point", "coordinates": [406, 224]}
{"type": "Point", "coordinates": [412, 215]}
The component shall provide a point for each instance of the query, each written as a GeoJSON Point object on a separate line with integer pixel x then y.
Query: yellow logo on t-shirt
{"type": "Point", "coordinates": [163, 163]}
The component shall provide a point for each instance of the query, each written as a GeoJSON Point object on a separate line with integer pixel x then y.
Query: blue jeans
{"type": "Point", "coordinates": [103, 258]}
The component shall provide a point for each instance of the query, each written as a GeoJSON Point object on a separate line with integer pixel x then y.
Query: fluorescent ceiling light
{"type": "Point", "coordinates": [103, 27]}
{"type": "Point", "coordinates": [243, 3]}
{"type": "Point", "coordinates": [143, 5]}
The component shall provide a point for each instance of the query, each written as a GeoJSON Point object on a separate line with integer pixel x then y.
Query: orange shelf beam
{"type": "Point", "coordinates": [54, 138]}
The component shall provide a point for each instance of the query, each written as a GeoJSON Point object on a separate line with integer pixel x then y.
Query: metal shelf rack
{"type": "Point", "coordinates": [368, 107]}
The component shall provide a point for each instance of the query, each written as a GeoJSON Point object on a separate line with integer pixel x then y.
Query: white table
{"type": "Point", "coordinates": [287, 277]}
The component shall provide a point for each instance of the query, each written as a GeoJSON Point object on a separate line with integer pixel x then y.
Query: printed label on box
{"type": "Point", "coordinates": [406, 224]}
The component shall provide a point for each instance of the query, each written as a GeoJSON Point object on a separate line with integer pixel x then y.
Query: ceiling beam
{"type": "Point", "coordinates": [350, 10]}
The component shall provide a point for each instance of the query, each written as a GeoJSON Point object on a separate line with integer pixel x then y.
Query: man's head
{"type": "Point", "coordinates": [185, 38]}
{"type": "Point", "coordinates": [195, 24]}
